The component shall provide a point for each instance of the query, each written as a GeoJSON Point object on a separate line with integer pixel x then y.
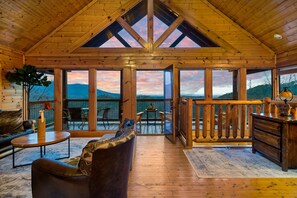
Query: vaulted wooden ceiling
{"type": "Point", "coordinates": [25, 23]}
{"type": "Point", "coordinates": [263, 19]}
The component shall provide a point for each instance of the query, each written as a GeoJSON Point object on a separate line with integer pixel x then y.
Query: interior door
{"type": "Point", "coordinates": [169, 101]}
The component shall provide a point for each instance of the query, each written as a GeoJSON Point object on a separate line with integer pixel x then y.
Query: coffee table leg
{"type": "Point", "coordinates": [68, 147]}
{"type": "Point", "coordinates": [41, 152]}
{"type": "Point", "coordinates": [13, 163]}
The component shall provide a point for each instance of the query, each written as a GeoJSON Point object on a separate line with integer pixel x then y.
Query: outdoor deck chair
{"type": "Point", "coordinates": [103, 117]}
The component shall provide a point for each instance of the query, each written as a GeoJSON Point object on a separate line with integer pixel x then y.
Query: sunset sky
{"type": "Point", "coordinates": [151, 82]}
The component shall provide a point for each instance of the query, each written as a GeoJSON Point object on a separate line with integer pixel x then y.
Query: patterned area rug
{"type": "Point", "coordinates": [234, 163]}
{"type": "Point", "coordinates": [16, 182]}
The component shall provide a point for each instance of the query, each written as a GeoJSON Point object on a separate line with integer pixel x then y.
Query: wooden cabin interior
{"type": "Point", "coordinates": [239, 36]}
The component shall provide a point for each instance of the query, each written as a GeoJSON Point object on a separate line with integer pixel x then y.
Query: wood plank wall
{"type": "Point", "coordinates": [11, 94]}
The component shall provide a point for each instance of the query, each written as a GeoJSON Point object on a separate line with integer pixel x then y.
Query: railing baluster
{"type": "Point", "coordinates": [250, 111]}
{"type": "Point", "coordinates": [227, 121]}
{"type": "Point", "coordinates": [197, 121]}
{"type": "Point", "coordinates": [212, 119]}
{"type": "Point", "coordinates": [234, 120]}
{"type": "Point", "coordinates": [219, 118]}
{"type": "Point", "coordinates": [204, 129]}
{"type": "Point", "coordinates": [258, 109]}
{"type": "Point", "coordinates": [243, 122]}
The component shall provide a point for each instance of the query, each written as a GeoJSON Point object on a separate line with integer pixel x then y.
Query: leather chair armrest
{"type": "Point", "coordinates": [52, 178]}
{"type": "Point", "coordinates": [57, 168]}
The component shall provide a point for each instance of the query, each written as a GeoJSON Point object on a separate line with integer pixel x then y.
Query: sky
{"type": "Point", "coordinates": [151, 82]}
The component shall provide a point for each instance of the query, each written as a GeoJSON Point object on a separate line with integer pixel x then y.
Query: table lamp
{"type": "Point", "coordinates": [286, 95]}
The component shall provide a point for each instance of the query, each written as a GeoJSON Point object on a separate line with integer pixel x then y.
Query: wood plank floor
{"type": "Point", "coordinates": [160, 169]}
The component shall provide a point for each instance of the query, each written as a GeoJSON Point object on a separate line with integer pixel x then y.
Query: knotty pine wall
{"type": "Point", "coordinates": [11, 94]}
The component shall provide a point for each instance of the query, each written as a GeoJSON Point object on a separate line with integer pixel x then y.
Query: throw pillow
{"type": "Point", "coordinates": [128, 123]}
{"type": "Point", "coordinates": [85, 162]}
{"type": "Point", "coordinates": [11, 121]}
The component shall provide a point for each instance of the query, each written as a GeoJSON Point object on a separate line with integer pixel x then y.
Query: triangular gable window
{"type": "Point", "coordinates": [141, 27]}
{"type": "Point", "coordinates": [130, 40]}
{"type": "Point", "coordinates": [171, 38]}
{"type": "Point", "coordinates": [184, 36]}
{"type": "Point", "coordinates": [188, 43]}
{"type": "Point", "coordinates": [159, 28]}
{"type": "Point", "coordinates": [113, 42]}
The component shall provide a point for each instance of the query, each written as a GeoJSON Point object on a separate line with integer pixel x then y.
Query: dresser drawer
{"type": "Point", "coordinates": [268, 126]}
{"type": "Point", "coordinates": [268, 138]}
{"type": "Point", "coordinates": [269, 151]}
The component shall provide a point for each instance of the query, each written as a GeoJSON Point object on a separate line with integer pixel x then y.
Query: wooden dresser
{"type": "Point", "coordinates": [275, 137]}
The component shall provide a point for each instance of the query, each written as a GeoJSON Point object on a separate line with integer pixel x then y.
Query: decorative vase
{"type": "Point", "coordinates": [41, 125]}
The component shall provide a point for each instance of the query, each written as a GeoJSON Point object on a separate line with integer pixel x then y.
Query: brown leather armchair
{"type": "Point", "coordinates": [109, 176]}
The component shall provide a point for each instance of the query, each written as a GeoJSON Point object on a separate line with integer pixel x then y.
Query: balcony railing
{"type": "Point", "coordinates": [113, 104]}
{"type": "Point", "coordinates": [221, 120]}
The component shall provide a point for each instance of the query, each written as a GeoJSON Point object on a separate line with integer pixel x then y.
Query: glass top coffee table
{"type": "Point", "coordinates": [32, 140]}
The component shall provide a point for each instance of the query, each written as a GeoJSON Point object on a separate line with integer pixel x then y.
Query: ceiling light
{"type": "Point", "coordinates": [277, 36]}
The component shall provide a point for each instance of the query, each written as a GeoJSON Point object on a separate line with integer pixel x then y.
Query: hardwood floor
{"type": "Point", "coordinates": [161, 169]}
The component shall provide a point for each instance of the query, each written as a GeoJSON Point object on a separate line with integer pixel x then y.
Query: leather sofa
{"type": "Point", "coordinates": [12, 126]}
{"type": "Point", "coordinates": [107, 175]}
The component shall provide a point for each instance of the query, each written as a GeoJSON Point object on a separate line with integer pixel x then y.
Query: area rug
{"type": "Point", "coordinates": [234, 163]}
{"type": "Point", "coordinates": [16, 182]}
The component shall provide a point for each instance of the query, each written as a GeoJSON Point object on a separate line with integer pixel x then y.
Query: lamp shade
{"type": "Point", "coordinates": [286, 95]}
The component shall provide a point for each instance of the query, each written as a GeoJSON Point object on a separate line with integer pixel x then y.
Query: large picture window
{"type": "Point", "coordinates": [259, 84]}
{"type": "Point", "coordinates": [222, 84]}
{"type": "Point", "coordinates": [289, 81]}
{"type": "Point", "coordinates": [192, 84]}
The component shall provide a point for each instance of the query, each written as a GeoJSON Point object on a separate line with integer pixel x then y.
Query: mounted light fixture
{"type": "Point", "coordinates": [286, 95]}
{"type": "Point", "coordinates": [277, 36]}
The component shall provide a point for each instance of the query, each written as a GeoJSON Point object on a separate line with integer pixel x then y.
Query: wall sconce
{"type": "Point", "coordinates": [285, 96]}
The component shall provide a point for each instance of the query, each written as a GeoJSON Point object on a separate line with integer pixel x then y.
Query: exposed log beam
{"type": "Point", "coordinates": [171, 28]}
{"type": "Point", "coordinates": [150, 24]}
{"type": "Point", "coordinates": [132, 32]}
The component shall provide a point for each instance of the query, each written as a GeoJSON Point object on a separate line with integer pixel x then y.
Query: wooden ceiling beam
{"type": "Point", "coordinates": [169, 30]}
{"type": "Point", "coordinates": [150, 24]}
{"type": "Point", "coordinates": [132, 32]}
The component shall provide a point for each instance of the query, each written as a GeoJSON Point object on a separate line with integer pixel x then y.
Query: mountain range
{"type": "Point", "coordinates": [80, 91]}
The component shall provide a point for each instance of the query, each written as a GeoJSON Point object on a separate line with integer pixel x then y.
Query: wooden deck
{"type": "Point", "coordinates": [161, 169]}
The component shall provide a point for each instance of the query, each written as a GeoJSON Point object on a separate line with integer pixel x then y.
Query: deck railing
{"type": "Point", "coordinates": [113, 104]}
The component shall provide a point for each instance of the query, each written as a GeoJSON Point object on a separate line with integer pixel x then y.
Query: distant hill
{"type": "Point", "coordinates": [75, 91]}
{"type": "Point", "coordinates": [262, 91]}
{"type": "Point", "coordinates": [80, 91]}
